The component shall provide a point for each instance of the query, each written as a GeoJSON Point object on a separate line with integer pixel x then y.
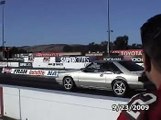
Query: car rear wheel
{"type": "Point", "coordinates": [119, 88]}
{"type": "Point", "coordinates": [68, 83]}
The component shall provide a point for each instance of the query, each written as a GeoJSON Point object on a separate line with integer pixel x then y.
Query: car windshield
{"type": "Point", "coordinates": [131, 66]}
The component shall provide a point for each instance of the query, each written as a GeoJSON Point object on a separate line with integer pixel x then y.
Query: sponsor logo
{"type": "Point", "coordinates": [111, 59]}
{"type": "Point", "coordinates": [6, 70]}
{"type": "Point", "coordinates": [57, 64]}
{"type": "Point", "coordinates": [20, 71]}
{"type": "Point", "coordinates": [137, 59]}
{"type": "Point", "coordinates": [128, 52]}
{"type": "Point", "coordinates": [131, 53]}
{"type": "Point", "coordinates": [52, 73]}
{"type": "Point", "coordinates": [28, 64]}
{"type": "Point", "coordinates": [37, 72]}
{"type": "Point", "coordinates": [46, 59]}
{"type": "Point", "coordinates": [73, 59]}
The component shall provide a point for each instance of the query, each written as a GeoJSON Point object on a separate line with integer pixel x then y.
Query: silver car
{"type": "Point", "coordinates": [118, 76]}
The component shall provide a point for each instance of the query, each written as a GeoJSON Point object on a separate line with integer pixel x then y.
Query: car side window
{"type": "Point", "coordinates": [94, 67]}
{"type": "Point", "coordinates": [114, 68]}
{"type": "Point", "coordinates": [109, 66]}
{"type": "Point", "coordinates": [104, 67]}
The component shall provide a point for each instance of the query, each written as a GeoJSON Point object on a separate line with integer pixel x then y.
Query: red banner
{"type": "Point", "coordinates": [137, 52]}
{"type": "Point", "coordinates": [49, 54]}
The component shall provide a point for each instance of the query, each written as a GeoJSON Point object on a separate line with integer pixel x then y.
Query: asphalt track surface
{"type": "Point", "coordinates": [50, 84]}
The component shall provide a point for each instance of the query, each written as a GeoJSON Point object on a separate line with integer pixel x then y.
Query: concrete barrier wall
{"type": "Point", "coordinates": [11, 102]}
{"type": "Point", "coordinates": [1, 100]}
{"type": "Point", "coordinates": [38, 104]}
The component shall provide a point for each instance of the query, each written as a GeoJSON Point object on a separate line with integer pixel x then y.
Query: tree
{"type": "Point", "coordinates": [121, 43]}
{"type": "Point", "coordinates": [93, 47]}
{"type": "Point", "coordinates": [10, 51]}
{"type": "Point", "coordinates": [103, 46]}
{"type": "Point", "coordinates": [136, 46]}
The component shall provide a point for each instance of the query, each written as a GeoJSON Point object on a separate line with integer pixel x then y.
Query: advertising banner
{"type": "Point", "coordinates": [6, 70]}
{"type": "Point", "coordinates": [133, 55]}
{"type": "Point", "coordinates": [76, 59]}
{"type": "Point", "coordinates": [75, 62]}
{"type": "Point", "coordinates": [33, 72]}
{"type": "Point", "coordinates": [137, 52]}
{"type": "Point", "coordinates": [49, 54]}
{"type": "Point", "coordinates": [3, 64]}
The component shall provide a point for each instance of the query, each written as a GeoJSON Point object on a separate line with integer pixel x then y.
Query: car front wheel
{"type": "Point", "coordinates": [68, 83]}
{"type": "Point", "coordinates": [119, 88]}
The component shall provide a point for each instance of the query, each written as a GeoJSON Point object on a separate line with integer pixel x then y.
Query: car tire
{"type": "Point", "coordinates": [68, 83]}
{"type": "Point", "coordinates": [119, 88]}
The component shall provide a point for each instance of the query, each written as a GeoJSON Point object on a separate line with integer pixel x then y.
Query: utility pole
{"type": "Point", "coordinates": [2, 3]}
{"type": "Point", "coordinates": [3, 22]}
{"type": "Point", "coordinates": [109, 29]}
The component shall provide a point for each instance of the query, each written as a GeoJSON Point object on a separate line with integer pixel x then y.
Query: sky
{"type": "Point", "coordinates": [38, 22]}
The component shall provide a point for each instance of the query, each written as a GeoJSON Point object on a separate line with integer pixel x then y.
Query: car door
{"type": "Point", "coordinates": [111, 71]}
{"type": "Point", "coordinates": [92, 76]}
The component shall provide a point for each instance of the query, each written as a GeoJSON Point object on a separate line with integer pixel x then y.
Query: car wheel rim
{"type": "Point", "coordinates": [119, 88]}
{"type": "Point", "coordinates": [68, 83]}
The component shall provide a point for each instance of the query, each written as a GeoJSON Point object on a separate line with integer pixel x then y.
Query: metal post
{"type": "Point", "coordinates": [3, 25]}
{"type": "Point", "coordinates": [2, 3]}
{"type": "Point", "coordinates": [108, 17]}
